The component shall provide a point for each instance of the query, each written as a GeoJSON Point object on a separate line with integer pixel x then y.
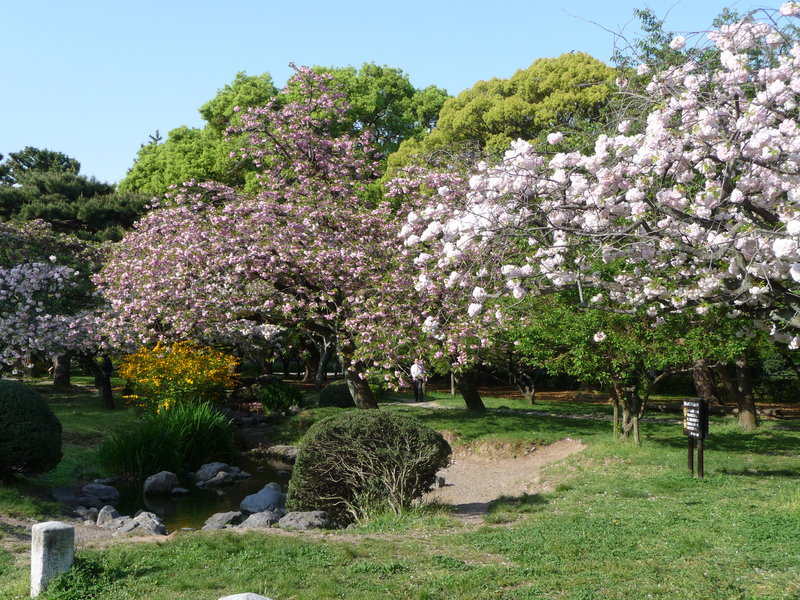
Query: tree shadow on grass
{"type": "Point", "coordinates": [474, 425]}
{"type": "Point", "coordinates": [509, 508]}
{"type": "Point", "coordinates": [760, 473]}
{"type": "Point", "coordinates": [765, 441]}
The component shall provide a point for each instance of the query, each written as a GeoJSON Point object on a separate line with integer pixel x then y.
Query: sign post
{"type": "Point", "coordinates": [695, 427]}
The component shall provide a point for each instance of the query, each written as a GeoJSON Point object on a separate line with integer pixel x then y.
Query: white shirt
{"type": "Point", "coordinates": [417, 371]}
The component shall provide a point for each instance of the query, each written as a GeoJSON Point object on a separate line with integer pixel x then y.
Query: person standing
{"type": "Point", "coordinates": [418, 376]}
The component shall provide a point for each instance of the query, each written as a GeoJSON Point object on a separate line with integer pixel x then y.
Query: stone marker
{"type": "Point", "coordinates": [52, 553]}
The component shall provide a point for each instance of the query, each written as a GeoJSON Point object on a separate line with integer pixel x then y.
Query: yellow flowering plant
{"type": "Point", "coordinates": [166, 375]}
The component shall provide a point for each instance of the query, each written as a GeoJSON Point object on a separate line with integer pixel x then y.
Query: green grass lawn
{"type": "Point", "coordinates": [625, 522]}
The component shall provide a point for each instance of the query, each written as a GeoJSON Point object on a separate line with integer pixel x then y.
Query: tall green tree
{"type": "Point", "coordinates": [200, 154]}
{"type": "Point", "coordinates": [382, 101]}
{"type": "Point", "coordinates": [37, 160]}
{"type": "Point", "coordinates": [567, 93]}
{"type": "Point", "coordinates": [44, 184]}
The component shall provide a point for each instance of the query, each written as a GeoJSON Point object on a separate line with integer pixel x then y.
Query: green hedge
{"type": "Point", "coordinates": [30, 434]}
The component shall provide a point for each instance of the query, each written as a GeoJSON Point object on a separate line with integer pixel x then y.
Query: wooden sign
{"type": "Point", "coordinates": [695, 427]}
{"type": "Point", "coordinates": [695, 419]}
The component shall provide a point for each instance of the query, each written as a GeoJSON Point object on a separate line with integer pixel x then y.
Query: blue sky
{"type": "Point", "coordinates": [94, 78]}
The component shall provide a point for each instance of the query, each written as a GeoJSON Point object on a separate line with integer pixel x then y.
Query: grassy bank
{"type": "Point", "coordinates": [624, 523]}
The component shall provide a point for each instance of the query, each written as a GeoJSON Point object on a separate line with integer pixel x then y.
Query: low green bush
{"type": "Point", "coordinates": [280, 396]}
{"type": "Point", "coordinates": [361, 463]}
{"type": "Point", "coordinates": [275, 396]}
{"type": "Point", "coordinates": [186, 435]}
{"type": "Point", "coordinates": [336, 394]}
{"type": "Point", "coordinates": [30, 434]}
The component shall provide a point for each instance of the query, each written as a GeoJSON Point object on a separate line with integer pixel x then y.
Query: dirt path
{"type": "Point", "coordinates": [473, 481]}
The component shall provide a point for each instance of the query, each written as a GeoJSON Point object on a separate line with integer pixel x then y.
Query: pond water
{"type": "Point", "coordinates": [193, 509]}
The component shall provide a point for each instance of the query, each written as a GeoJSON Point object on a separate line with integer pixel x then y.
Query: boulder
{"type": "Point", "coordinates": [65, 495]}
{"type": "Point", "coordinates": [87, 514]}
{"type": "Point", "coordinates": [262, 520]}
{"type": "Point", "coordinates": [209, 470]}
{"type": "Point", "coordinates": [90, 502]}
{"type": "Point", "coordinates": [285, 454]}
{"type": "Point", "coordinates": [150, 524]}
{"type": "Point", "coordinates": [160, 484]}
{"type": "Point", "coordinates": [144, 523]}
{"type": "Point", "coordinates": [222, 520]}
{"type": "Point", "coordinates": [117, 523]}
{"type": "Point", "coordinates": [218, 473]}
{"type": "Point", "coordinates": [105, 494]}
{"type": "Point", "coordinates": [247, 596]}
{"type": "Point", "coordinates": [127, 526]}
{"type": "Point", "coordinates": [303, 521]}
{"type": "Point", "coordinates": [106, 514]}
{"type": "Point", "coordinates": [271, 497]}
{"type": "Point", "coordinates": [222, 478]}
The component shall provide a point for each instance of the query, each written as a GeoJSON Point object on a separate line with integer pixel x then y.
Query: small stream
{"type": "Point", "coordinates": [193, 509]}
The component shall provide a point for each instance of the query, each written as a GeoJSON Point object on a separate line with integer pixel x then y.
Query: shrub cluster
{"type": "Point", "coordinates": [30, 434]}
{"type": "Point", "coordinates": [186, 435]}
{"type": "Point", "coordinates": [360, 463]}
{"type": "Point", "coordinates": [275, 396]}
{"type": "Point", "coordinates": [165, 376]}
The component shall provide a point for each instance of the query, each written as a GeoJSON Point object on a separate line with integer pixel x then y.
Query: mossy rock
{"type": "Point", "coordinates": [336, 394]}
{"type": "Point", "coordinates": [30, 434]}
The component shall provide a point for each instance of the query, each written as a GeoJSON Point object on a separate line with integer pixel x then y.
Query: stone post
{"type": "Point", "coordinates": [52, 553]}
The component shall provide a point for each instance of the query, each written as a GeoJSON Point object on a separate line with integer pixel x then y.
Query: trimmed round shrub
{"type": "Point", "coordinates": [364, 462]}
{"type": "Point", "coordinates": [30, 434]}
{"type": "Point", "coordinates": [337, 394]}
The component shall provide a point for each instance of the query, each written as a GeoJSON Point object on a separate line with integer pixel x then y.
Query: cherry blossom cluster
{"type": "Point", "coordinates": [47, 305]}
{"type": "Point", "coordinates": [692, 204]}
{"type": "Point", "coordinates": [306, 251]}
{"type": "Point", "coordinates": [442, 322]}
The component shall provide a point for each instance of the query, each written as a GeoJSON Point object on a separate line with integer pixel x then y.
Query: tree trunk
{"type": "Point", "coordinates": [748, 416]}
{"type": "Point", "coordinates": [359, 389]}
{"type": "Point", "coordinates": [312, 365]}
{"type": "Point", "coordinates": [737, 381]}
{"type": "Point", "coordinates": [632, 410]}
{"type": "Point", "coordinates": [61, 368]}
{"type": "Point", "coordinates": [525, 384]}
{"type": "Point", "coordinates": [529, 394]}
{"type": "Point", "coordinates": [322, 371]}
{"type": "Point", "coordinates": [704, 382]}
{"type": "Point", "coordinates": [469, 391]}
{"type": "Point", "coordinates": [101, 380]}
{"type": "Point", "coordinates": [268, 362]}
{"type": "Point", "coordinates": [615, 416]}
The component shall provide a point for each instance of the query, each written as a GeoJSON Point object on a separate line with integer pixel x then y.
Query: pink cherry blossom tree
{"type": "Point", "coordinates": [306, 252]}
{"type": "Point", "coordinates": [48, 306]}
{"type": "Point", "coordinates": [690, 206]}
